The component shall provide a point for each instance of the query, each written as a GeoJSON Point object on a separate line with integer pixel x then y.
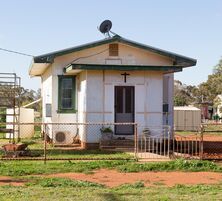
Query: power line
{"type": "Point", "coordinates": [84, 57]}
{"type": "Point", "coordinates": [15, 52]}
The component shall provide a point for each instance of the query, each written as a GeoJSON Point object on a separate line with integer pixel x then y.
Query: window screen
{"type": "Point", "coordinates": [66, 89]}
{"type": "Point", "coordinates": [66, 93]}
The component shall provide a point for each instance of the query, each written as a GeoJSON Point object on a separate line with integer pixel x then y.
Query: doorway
{"type": "Point", "coordinates": [124, 109]}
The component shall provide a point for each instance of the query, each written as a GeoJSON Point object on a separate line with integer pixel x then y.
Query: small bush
{"type": "Point", "coordinates": [138, 184]}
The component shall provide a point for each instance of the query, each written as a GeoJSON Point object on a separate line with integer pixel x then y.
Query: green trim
{"type": "Point", "coordinates": [178, 59]}
{"type": "Point", "coordinates": [122, 67]}
{"type": "Point", "coordinates": [66, 111]}
{"type": "Point", "coordinates": [43, 58]}
{"type": "Point", "coordinates": [60, 109]}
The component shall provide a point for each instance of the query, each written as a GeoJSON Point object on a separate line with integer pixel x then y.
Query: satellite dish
{"type": "Point", "coordinates": [105, 27]}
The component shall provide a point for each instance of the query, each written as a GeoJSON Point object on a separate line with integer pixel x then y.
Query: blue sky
{"type": "Point", "coordinates": [188, 27]}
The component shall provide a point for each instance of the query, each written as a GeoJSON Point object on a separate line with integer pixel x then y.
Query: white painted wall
{"type": "Point", "coordinates": [95, 89]}
{"type": "Point", "coordinates": [100, 98]}
{"type": "Point", "coordinates": [168, 93]}
{"type": "Point", "coordinates": [81, 102]}
{"type": "Point", "coordinates": [46, 90]}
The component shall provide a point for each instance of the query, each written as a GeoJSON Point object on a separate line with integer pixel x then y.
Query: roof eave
{"type": "Point", "coordinates": [37, 69]}
{"type": "Point", "coordinates": [179, 59]}
{"type": "Point", "coordinates": [49, 57]}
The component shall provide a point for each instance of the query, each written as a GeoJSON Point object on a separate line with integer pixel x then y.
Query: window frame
{"type": "Point", "coordinates": [60, 109]}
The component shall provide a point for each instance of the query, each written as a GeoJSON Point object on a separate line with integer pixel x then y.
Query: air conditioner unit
{"type": "Point", "coordinates": [62, 137]}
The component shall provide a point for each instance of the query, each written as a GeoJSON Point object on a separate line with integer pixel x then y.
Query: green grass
{"type": "Point", "coordinates": [138, 184]}
{"type": "Point", "coordinates": [175, 165]}
{"type": "Point", "coordinates": [215, 130]}
{"type": "Point", "coordinates": [22, 168]}
{"type": "Point", "coordinates": [36, 146]}
{"type": "Point", "coordinates": [41, 188]}
{"type": "Point", "coordinates": [89, 154]}
{"type": "Point", "coordinates": [215, 127]}
{"type": "Point", "coordinates": [186, 133]}
{"type": "Point", "coordinates": [75, 190]}
{"type": "Point", "coordinates": [61, 182]}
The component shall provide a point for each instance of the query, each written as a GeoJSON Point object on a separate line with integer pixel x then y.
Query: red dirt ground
{"type": "Point", "coordinates": [112, 178]}
{"type": "Point", "coordinates": [206, 137]}
{"type": "Point", "coordinates": [214, 138]}
{"type": "Point", "coordinates": [10, 181]}
{"type": "Point", "coordinates": [212, 144]}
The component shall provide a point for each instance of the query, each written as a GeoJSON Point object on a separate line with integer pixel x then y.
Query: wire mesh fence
{"type": "Point", "coordinates": [66, 141]}
{"type": "Point", "coordinates": [212, 140]}
{"type": "Point", "coordinates": [72, 141]}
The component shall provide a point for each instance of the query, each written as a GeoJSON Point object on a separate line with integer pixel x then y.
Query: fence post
{"type": "Point", "coordinates": [201, 141]}
{"type": "Point", "coordinates": [169, 129]}
{"type": "Point", "coordinates": [45, 139]}
{"type": "Point", "coordinates": [136, 142]}
{"type": "Point", "coordinates": [173, 148]}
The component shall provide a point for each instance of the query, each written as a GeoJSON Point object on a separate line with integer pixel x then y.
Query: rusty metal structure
{"type": "Point", "coordinates": [10, 90]}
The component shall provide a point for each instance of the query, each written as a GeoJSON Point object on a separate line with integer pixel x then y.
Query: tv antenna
{"type": "Point", "coordinates": [105, 28]}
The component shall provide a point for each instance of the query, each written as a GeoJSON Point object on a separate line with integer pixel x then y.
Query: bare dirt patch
{"type": "Point", "coordinates": [212, 137]}
{"type": "Point", "coordinates": [10, 181]}
{"type": "Point", "coordinates": [112, 178]}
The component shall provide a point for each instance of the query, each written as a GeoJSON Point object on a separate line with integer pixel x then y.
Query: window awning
{"type": "Point", "coordinates": [75, 68]}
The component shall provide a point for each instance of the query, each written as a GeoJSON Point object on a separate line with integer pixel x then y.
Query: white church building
{"type": "Point", "coordinates": [110, 80]}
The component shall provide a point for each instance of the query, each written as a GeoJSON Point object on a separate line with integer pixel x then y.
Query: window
{"type": "Point", "coordinates": [66, 95]}
{"type": "Point", "coordinates": [114, 49]}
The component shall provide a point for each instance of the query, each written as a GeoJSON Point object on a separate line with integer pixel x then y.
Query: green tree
{"type": "Point", "coordinates": [213, 86]}
{"type": "Point", "coordinates": [183, 94]}
{"type": "Point", "coordinates": [28, 95]}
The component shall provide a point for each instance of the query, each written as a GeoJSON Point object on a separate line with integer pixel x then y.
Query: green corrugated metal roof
{"type": "Point", "coordinates": [179, 59]}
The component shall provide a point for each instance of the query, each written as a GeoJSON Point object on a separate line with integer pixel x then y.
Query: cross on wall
{"type": "Point", "coordinates": [125, 74]}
